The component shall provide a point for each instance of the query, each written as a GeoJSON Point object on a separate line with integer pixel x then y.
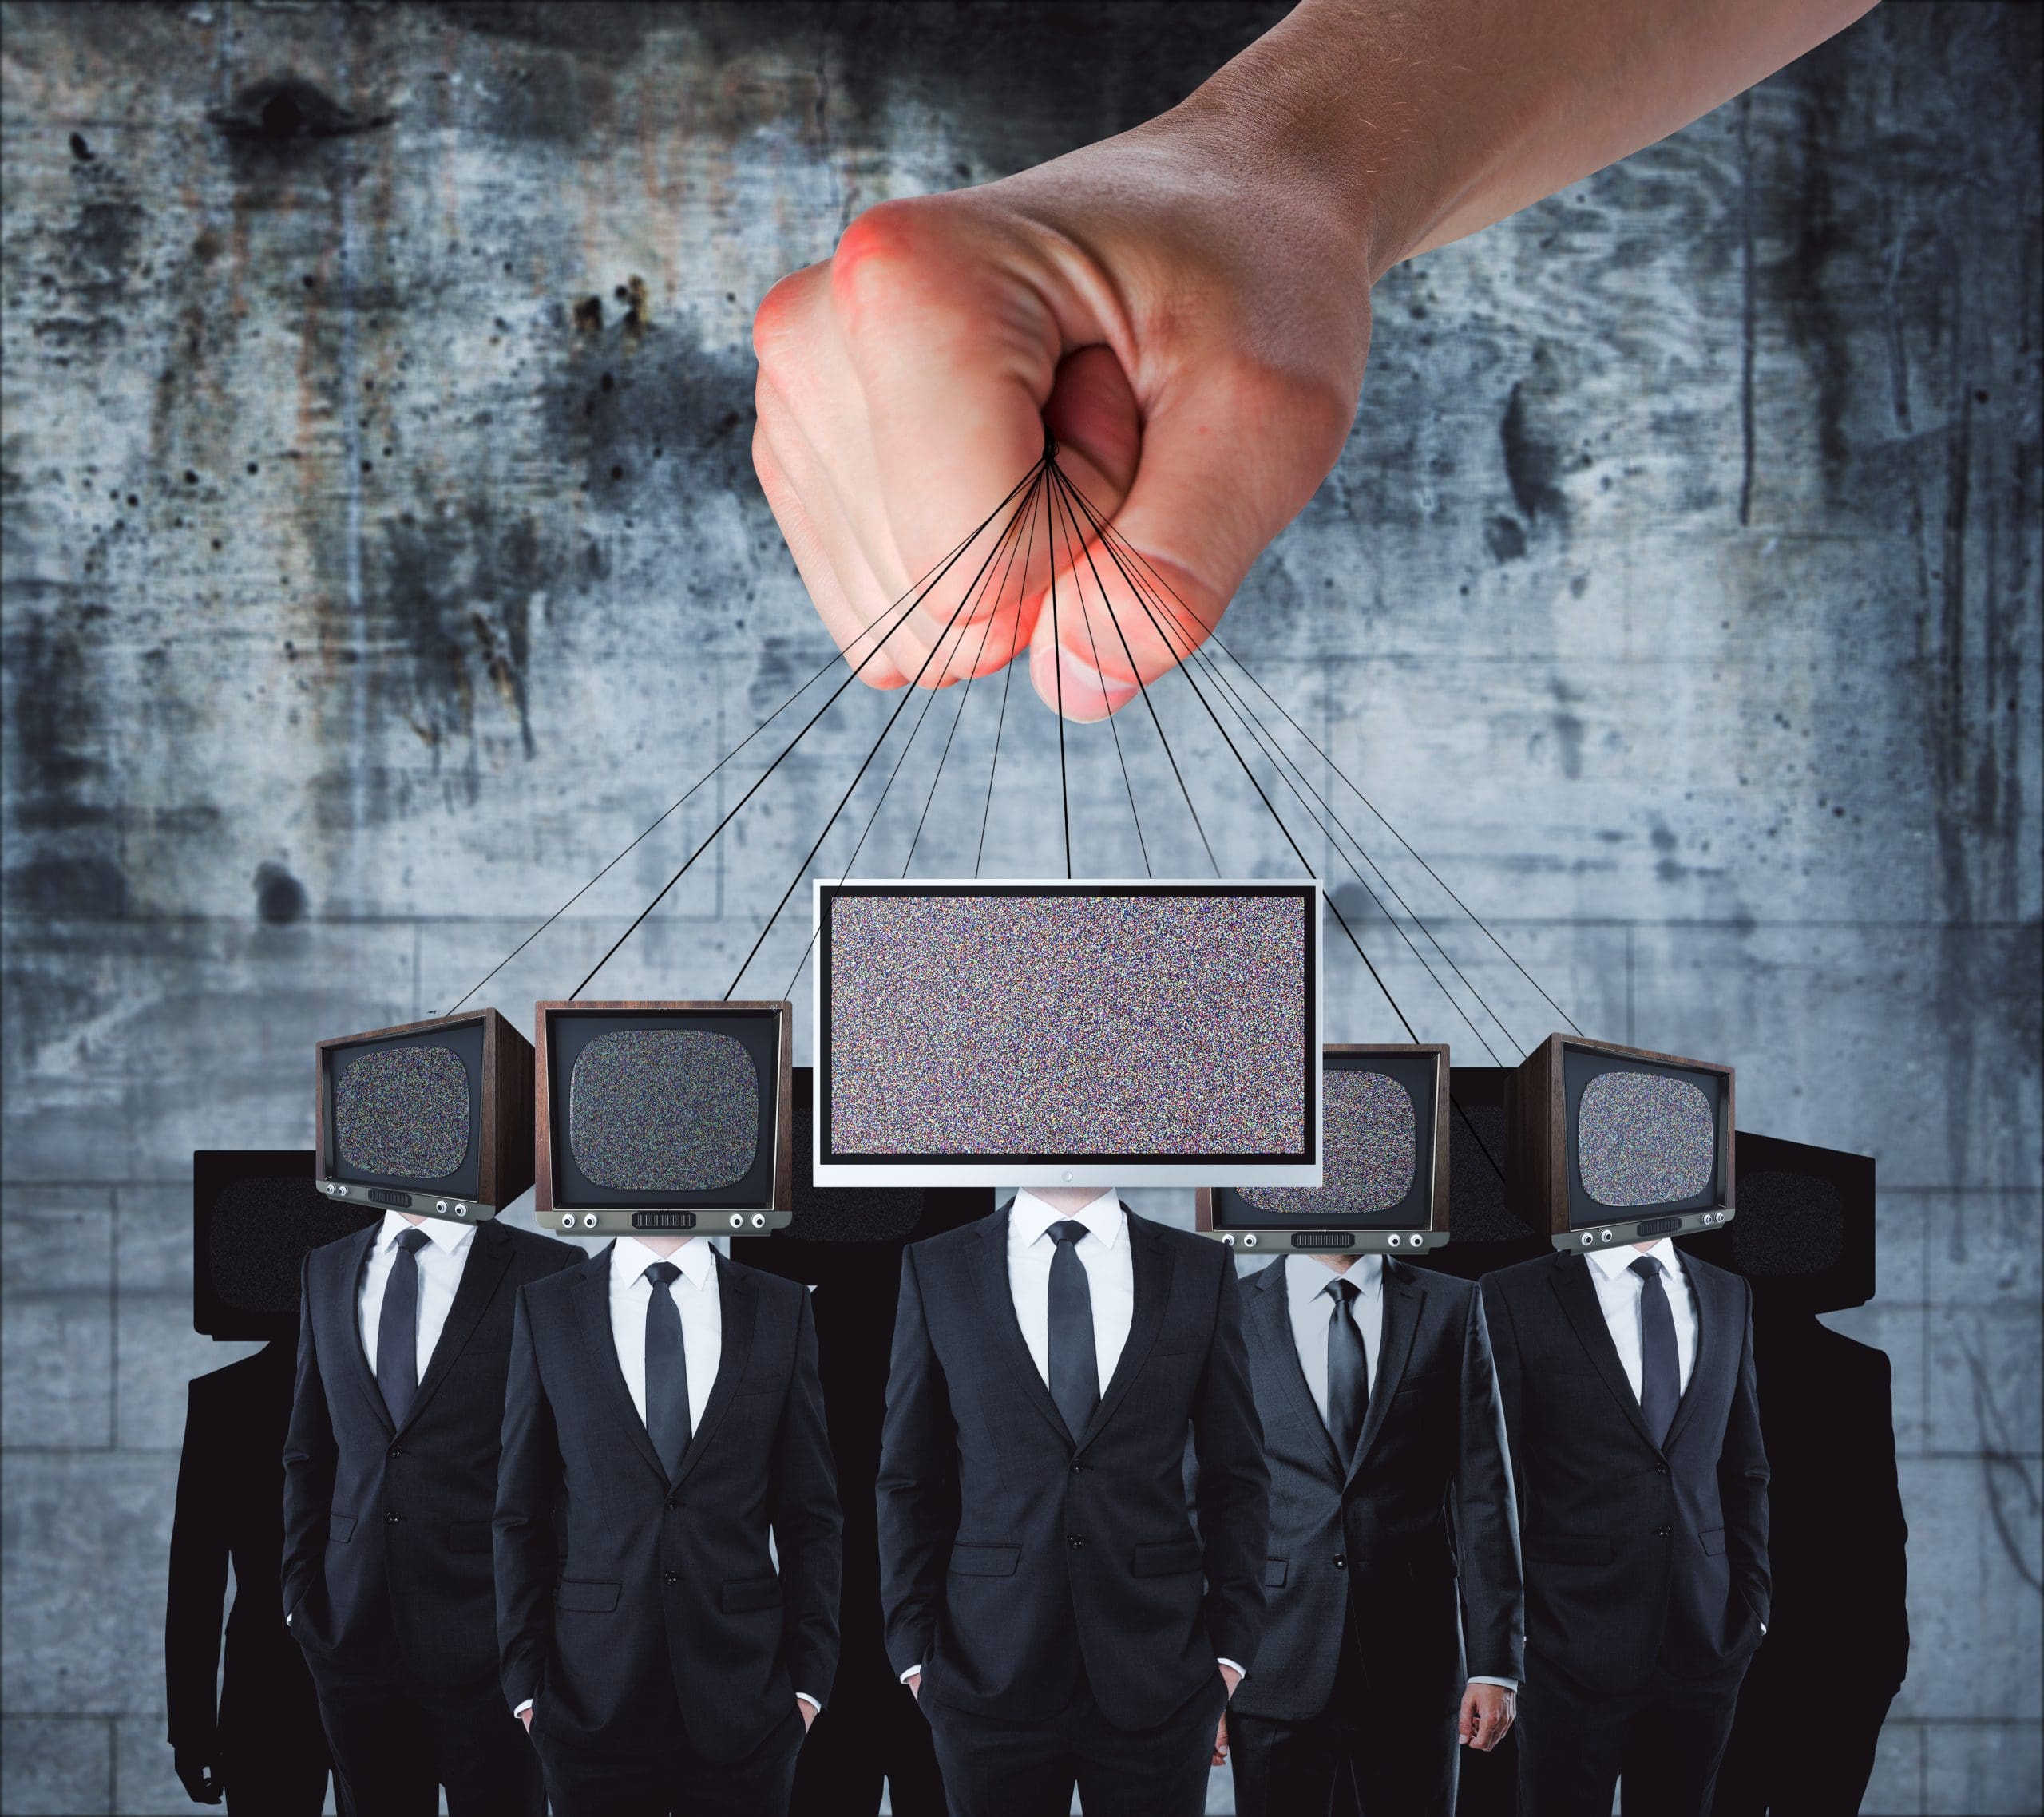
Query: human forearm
{"type": "Point", "coordinates": [1426, 120]}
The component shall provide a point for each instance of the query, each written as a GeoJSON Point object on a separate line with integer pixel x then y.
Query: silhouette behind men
{"type": "Point", "coordinates": [257, 1741]}
{"type": "Point", "coordinates": [847, 1244]}
{"type": "Point", "coordinates": [1804, 1238]}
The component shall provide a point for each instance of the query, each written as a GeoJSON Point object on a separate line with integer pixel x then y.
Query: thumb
{"type": "Point", "coordinates": [1231, 451]}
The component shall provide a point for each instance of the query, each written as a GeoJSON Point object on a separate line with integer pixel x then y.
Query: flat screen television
{"type": "Point", "coordinates": [664, 1116]}
{"type": "Point", "coordinates": [1384, 1134]}
{"type": "Point", "coordinates": [1616, 1145]}
{"type": "Point", "coordinates": [255, 1213]}
{"type": "Point", "coordinates": [431, 1117]}
{"type": "Point", "coordinates": [1804, 1235]}
{"type": "Point", "coordinates": [1052, 1034]}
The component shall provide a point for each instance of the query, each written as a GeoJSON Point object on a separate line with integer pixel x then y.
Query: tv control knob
{"type": "Point", "coordinates": [1604, 1235]}
{"type": "Point", "coordinates": [1228, 1241]}
{"type": "Point", "coordinates": [440, 1205]}
{"type": "Point", "coordinates": [567, 1221]}
{"type": "Point", "coordinates": [1249, 1242]}
{"type": "Point", "coordinates": [759, 1221]}
{"type": "Point", "coordinates": [589, 1221]}
{"type": "Point", "coordinates": [1588, 1238]}
{"type": "Point", "coordinates": [1397, 1242]}
{"type": "Point", "coordinates": [460, 1210]}
{"type": "Point", "coordinates": [737, 1221]}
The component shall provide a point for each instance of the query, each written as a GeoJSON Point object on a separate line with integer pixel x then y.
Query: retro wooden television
{"type": "Point", "coordinates": [665, 1117]}
{"type": "Point", "coordinates": [1067, 1033]}
{"type": "Point", "coordinates": [1620, 1145]}
{"type": "Point", "coordinates": [1804, 1237]}
{"type": "Point", "coordinates": [1384, 1117]}
{"type": "Point", "coordinates": [432, 1117]}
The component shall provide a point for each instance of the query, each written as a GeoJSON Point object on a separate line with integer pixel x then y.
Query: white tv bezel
{"type": "Point", "coordinates": [1131, 1173]}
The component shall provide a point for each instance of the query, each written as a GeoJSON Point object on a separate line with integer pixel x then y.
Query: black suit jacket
{"type": "Point", "coordinates": [1008, 1551]}
{"type": "Point", "coordinates": [1636, 1555]}
{"type": "Point", "coordinates": [387, 1533]}
{"type": "Point", "coordinates": [666, 1592]}
{"type": "Point", "coordinates": [1428, 1504]}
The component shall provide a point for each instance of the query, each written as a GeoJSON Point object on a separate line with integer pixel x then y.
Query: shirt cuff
{"type": "Point", "coordinates": [1231, 1666]}
{"type": "Point", "coordinates": [910, 1673]}
{"type": "Point", "coordinates": [814, 1704]}
{"type": "Point", "coordinates": [1510, 1685]}
{"type": "Point", "coordinates": [522, 1709]}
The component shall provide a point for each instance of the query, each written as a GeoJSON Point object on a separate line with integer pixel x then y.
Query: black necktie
{"type": "Point", "coordinates": [1075, 1364]}
{"type": "Point", "coordinates": [1660, 1373]}
{"type": "Point", "coordinates": [667, 1372]}
{"type": "Point", "coordinates": [397, 1329]}
{"type": "Point", "coordinates": [1348, 1372]}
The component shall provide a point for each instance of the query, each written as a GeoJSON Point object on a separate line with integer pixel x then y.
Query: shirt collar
{"type": "Point", "coordinates": [630, 1258]}
{"type": "Point", "coordinates": [450, 1239]}
{"type": "Point", "coordinates": [1305, 1279]}
{"type": "Point", "coordinates": [1031, 1217]}
{"type": "Point", "coordinates": [1617, 1262]}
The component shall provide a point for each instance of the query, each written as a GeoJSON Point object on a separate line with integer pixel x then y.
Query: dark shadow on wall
{"type": "Point", "coordinates": [251, 1731]}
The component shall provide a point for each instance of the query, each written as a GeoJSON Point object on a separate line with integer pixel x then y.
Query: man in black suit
{"type": "Point", "coordinates": [1390, 1491]}
{"type": "Point", "coordinates": [1048, 1597]}
{"type": "Point", "coordinates": [389, 1481]}
{"type": "Point", "coordinates": [1627, 1377]}
{"type": "Point", "coordinates": [670, 1398]}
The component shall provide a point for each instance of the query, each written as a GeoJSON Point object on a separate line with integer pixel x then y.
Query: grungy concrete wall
{"type": "Point", "coordinates": [381, 550]}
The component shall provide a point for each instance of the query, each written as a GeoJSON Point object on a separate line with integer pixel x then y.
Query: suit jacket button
{"type": "Point", "coordinates": [1076, 1467]}
{"type": "Point", "coordinates": [1077, 1539]}
{"type": "Point", "coordinates": [1663, 1533]}
{"type": "Point", "coordinates": [669, 1578]}
{"type": "Point", "coordinates": [1341, 1562]}
{"type": "Point", "coordinates": [1660, 1470]}
{"type": "Point", "coordinates": [397, 1450]}
{"type": "Point", "coordinates": [390, 1519]}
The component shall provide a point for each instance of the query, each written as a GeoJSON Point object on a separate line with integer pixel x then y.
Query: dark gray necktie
{"type": "Point", "coordinates": [397, 1329]}
{"type": "Point", "coordinates": [1348, 1371]}
{"type": "Point", "coordinates": [1074, 1363]}
{"type": "Point", "coordinates": [1660, 1369]}
{"type": "Point", "coordinates": [667, 1372]}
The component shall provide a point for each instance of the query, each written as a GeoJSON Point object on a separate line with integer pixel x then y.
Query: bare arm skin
{"type": "Point", "coordinates": [1186, 306]}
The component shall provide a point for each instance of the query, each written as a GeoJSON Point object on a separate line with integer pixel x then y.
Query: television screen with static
{"type": "Point", "coordinates": [664, 1116]}
{"type": "Point", "coordinates": [255, 1213]}
{"type": "Point", "coordinates": [1623, 1140]}
{"type": "Point", "coordinates": [432, 1117]}
{"type": "Point", "coordinates": [1067, 1033]}
{"type": "Point", "coordinates": [1384, 1158]}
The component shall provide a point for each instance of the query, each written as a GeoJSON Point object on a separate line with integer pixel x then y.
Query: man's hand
{"type": "Point", "coordinates": [201, 1785]}
{"type": "Point", "coordinates": [914, 1681]}
{"type": "Point", "coordinates": [1189, 320]}
{"type": "Point", "coordinates": [1221, 1743]}
{"type": "Point", "coordinates": [1486, 1713]}
{"type": "Point", "coordinates": [808, 1713]}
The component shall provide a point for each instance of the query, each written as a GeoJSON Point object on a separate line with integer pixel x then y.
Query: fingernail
{"type": "Point", "coordinates": [1088, 696]}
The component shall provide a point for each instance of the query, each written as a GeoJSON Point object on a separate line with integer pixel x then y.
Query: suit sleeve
{"type": "Point", "coordinates": [1487, 1516]}
{"type": "Point", "coordinates": [309, 1456]}
{"type": "Point", "coordinates": [1742, 1475]}
{"type": "Point", "coordinates": [529, 1482]}
{"type": "Point", "coordinates": [198, 1589]}
{"type": "Point", "coordinates": [1234, 1482]}
{"type": "Point", "coordinates": [1503, 1334]}
{"type": "Point", "coordinates": [917, 1492]}
{"type": "Point", "coordinates": [809, 1526]}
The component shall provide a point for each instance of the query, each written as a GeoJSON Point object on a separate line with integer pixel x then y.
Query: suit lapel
{"type": "Point", "coordinates": [350, 1274]}
{"type": "Point", "coordinates": [1270, 1318]}
{"type": "Point", "coordinates": [740, 1306]}
{"type": "Point", "coordinates": [592, 1298]}
{"type": "Point", "coordinates": [1578, 1294]}
{"type": "Point", "coordinates": [1151, 1260]}
{"type": "Point", "coordinates": [489, 1255]}
{"type": "Point", "coordinates": [1402, 1301]}
{"type": "Point", "coordinates": [987, 1258]}
{"type": "Point", "coordinates": [1714, 1312]}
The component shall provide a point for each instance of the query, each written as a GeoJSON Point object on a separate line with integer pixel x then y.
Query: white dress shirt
{"type": "Point", "coordinates": [1308, 1298]}
{"type": "Point", "coordinates": [695, 1295]}
{"type": "Point", "coordinates": [441, 1260]}
{"type": "Point", "coordinates": [1618, 1292]}
{"type": "Point", "coordinates": [1110, 1265]}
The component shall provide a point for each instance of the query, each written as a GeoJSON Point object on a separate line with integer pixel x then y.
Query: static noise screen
{"type": "Point", "coordinates": [1641, 1136]}
{"type": "Point", "coordinates": [661, 1106]}
{"type": "Point", "coordinates": [1063, 1032]}
{"type": "Point", "coordinates": [407, 1111]}
{"type": "Point", "coordinates": [1378, 1145]}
